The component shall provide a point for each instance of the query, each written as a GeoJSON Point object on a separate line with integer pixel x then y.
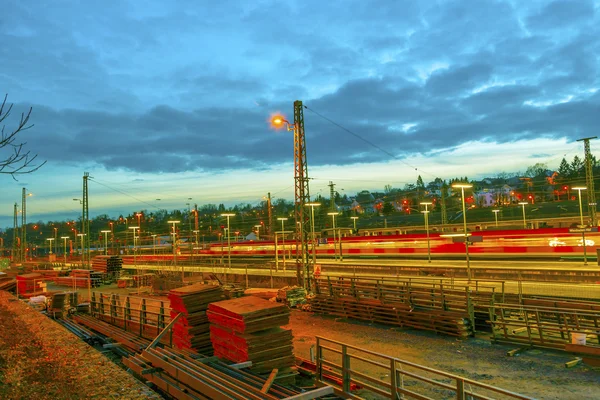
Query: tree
{"type": "Point", "coordinates": [19, 161]}
{"type": "Point", "coordinates": [577, 166]}
{"type": "Point", "coordinates": [388, 208]}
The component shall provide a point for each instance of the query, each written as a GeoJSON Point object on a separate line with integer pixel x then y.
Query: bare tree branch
{"type": "Point", "coordinates": [20, 161]}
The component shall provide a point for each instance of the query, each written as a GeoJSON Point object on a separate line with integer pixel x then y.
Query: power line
{"type": "Point", "coordinates": [356, 135]}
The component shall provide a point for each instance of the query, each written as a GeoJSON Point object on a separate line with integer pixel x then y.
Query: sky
{"type": "Point", "coordinates": [171, 100]}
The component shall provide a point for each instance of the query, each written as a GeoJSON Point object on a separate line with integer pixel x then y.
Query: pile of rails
{"type": "Point", "coordinates": [185, 376]}
{"type": "Point", "coordinates": [110, 266]}
{"type": "Point", "coordinates": [131, 341]}
{"type": "Point", "coordinates": [191, 330]}
{"type": "Point", "coordinates": [80, 278]}
{"type": "Point", "coordinates": [425, 306]}
{"type": "Point", "coordinates": [7, 283]}
{"type": "Point", "coordinates": [249, 329]}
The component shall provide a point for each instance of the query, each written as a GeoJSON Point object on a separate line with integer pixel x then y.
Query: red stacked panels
{"type": "Point", "coordinates": [28, 283]}
{"type": "Point", "coordinates": [248, 329]}
{"type": "Point", "coordinates": [191, 331]}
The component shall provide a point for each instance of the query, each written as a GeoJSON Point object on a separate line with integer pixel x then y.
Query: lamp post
{"type": "Point", "coordinates": [333, 214]}
{"type": "Point", "coordinates": [257, 231]}
{"type": "Point", "coordinates": [582, 226]}
{"type": "Point", "coordinates": [496, 216]}
{"type": "Point", "coordinates": [174, 233]}
{"type": "Point", "coordinates": [354, 220]}
{"type": "Point", "coordinates": [462, 187]}
{"type": "Point", "coordinates": [282, 219]}
{"type": "Point", "coordinates": [50, 245]}
{"type": "Point", "coordinates": [196, 232]}
{"type": "Point", "coordinates": [106, 232]}
{"type": "Point", "coordinates": [228, 215]}
{"type": "Point", "coordinates": [154, 244]}
{"type": "Point", "coordinates": [312, 229]}
{"type": "Point", "coordinates": [55, 238]}
{"type": "Point", "coordinates": [81, 235]}
{"type": "Point", "coordinates": [64, 238]}
{"type": "Point", "coordinates": [134, 254]}
{"type": "Point", "coordinates": [426, 214]}
{"type": "Point", "coordinates": [523, 204]}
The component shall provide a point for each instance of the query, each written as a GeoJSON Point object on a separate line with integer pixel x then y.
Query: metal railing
{"type": "Point", "coordinates": [393, 378]}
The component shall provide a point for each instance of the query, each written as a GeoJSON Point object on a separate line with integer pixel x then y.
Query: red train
{"type": "Point", "coordinates": [533, 243]}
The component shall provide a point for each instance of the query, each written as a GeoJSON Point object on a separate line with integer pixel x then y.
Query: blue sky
{"type": "Point", "coordinates": [170, 100]}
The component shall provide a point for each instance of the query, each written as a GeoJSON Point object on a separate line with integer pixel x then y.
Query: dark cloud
{"type": "Point", "coordinates": [171, 88]}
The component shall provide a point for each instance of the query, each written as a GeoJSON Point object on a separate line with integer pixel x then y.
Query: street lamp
{"type": "Point", "coordinates": [426, 214]}
{"type": "Point", "coordinates": [354, 220]}
{"type": "Point", "coordinates": [312, 229]}
{"type": "Point", "coordinates": [462, 187]}
{"type": "Point", "coordinates": [333, 214]}
{"type": "Point", "coordinates": [55, 238]}
{"type": "Point", "coordinates": [64, 238]}
{"type": "Point", "coordinates": [523, 204]}
{"type": "Point", "coordinates": [154, 244]}
{"type": "Point", "coordinates": [257, 231]}
{"type": "Point", "coordinates": [282, 219]}
{"type": "Point", "coordinates": [196, 232]}
{"type": "Point", "coordinates": [174, 233]}
{"type": "Point", "coordinates": [81, 235]}
{"type": "Point", "coordinates": [106, 232]}
{"type": "Point", "coordinates": [134, 253]}
{"type": "Point", "coordinates": [582, 226]}
{"type": "Point", "coordinates": [50, 245]}
{"type": "Point", "coordinates": [496, 216]}
{"type": "Point", "coordinates": [228, 238]}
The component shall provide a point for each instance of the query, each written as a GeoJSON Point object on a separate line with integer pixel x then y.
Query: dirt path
{"type": "Point", "coordinates": [536, 373]}
{"type": "Point", "coordinates": [40, 360]}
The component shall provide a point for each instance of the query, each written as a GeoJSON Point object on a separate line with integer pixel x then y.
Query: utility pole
{"type": "Point", "coordinates": [301, 197]}
{"type": "Point", "coordinates": [85, 223]}
{"type": "Point", "coordinates": [589, 179]}
{"type": "Point", "coordinates": [331, 196]}
{"type": "Point", "coordinates": [443, 203]}
{"type": "Point", "coordinates": [24, 226]}
{"type": "Point", "coordinates": [16, 255]}
{"type": "Point", "coordinates": [196, 217]}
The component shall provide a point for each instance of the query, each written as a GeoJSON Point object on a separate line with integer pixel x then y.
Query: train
{"type": "Point", "coordinates": [521, 243]}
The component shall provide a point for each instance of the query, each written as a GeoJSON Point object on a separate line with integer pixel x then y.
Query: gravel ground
{"type": "Point", "coordinates": [39, 359]}
{"type": "Point", "coordinates": [536, 373]}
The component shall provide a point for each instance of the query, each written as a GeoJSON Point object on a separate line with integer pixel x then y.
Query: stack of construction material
{"type": "Point", "coordinates": [29, 283]}
{"type": "Point", "coordinates": [191, 331]}
{"type": "Point", "coordinates": [80, 278]}
{"type": "Point", "coordinates": [110, 265]}
{"type": "Point", "coordinates": [59, 304]}
{"type": "Point", "coordinates": [248, 329]}
{"type": "Point", "coordinates": [143, 280]}
{"type": "Point", "coordinates": [292, 295]}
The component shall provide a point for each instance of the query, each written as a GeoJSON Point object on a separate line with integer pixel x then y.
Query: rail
{"type": "Point", "coordinates": [393, 378]}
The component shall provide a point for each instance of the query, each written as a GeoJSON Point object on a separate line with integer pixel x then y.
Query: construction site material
{"type": "Point", "coordinates": [61, 302]}
{"type": "Point", "coordinates": [184, 376]}
{"type": "Point", "coordinates": [80, 278]}
{"type": "Point", "coordinates": [110, 265]}
{"type": "Point", "coordinates": [8, 284]}
{"type": "Point", "coordinates": [248, 329]}
{"type": "Point", "coordinates": [419, 305]}
{"type": "Point", "coordinates": [144, 316]}
{"type": "Point", "coordinates": [292, 295]}
{"type": "Point", "coordinates": [29, 283]}
{"type": "Point", "coordinates": [143, 280]}
{"type": "Point", "coordinates": [248, 314]}
{"type": "Point", "coordinates": [263, 293]}
{"type": "Point", "coordinates": [127, 339]}
{"type": "Point", "coordinates": [191, 331]}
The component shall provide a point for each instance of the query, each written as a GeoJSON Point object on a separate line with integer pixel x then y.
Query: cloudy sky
{"type": "Point", "coordinates": [171, 100]}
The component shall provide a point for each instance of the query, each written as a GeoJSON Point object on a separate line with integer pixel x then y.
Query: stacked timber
{"type": "Point", "coordinates": [109, 265]}
{"type": "Point", "coordinates": [80, 278]}
{"type": "Point", "coordinates": [292, 295]}
{"type": "Point", "coordinates": [249, 329]}
{"type": "Point", "coordinates": [191, 330]}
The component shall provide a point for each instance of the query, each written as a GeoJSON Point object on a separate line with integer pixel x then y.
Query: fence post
{"type": "Point", "coordinates": [345, 370]}
{"type": "Point", "coordinates": [393, 379]}
{"type": "Point", "coordinates": [460, 389]}
{"type": "Point", "coordinates": [319, 361]}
